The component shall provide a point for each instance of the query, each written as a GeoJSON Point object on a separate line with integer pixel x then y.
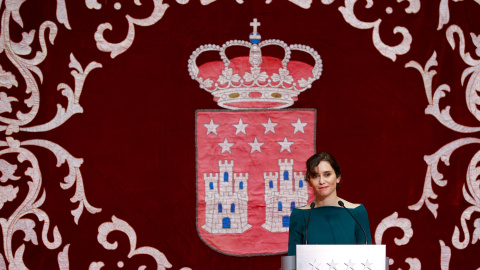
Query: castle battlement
{"type": "Point", "coordinates": [281, 195]}
{"type": "Point", "coordinates": [240, 176]}
{"type": "Point", "coordinates": [226, 200]}
{"type": "Point", "coordinates": [298, 176]}
{"type": "Point", "coordinates": [210, 176]}
{"type": "Point", "coordinates": [226, 163]}
{"type": "Point", "coordinates": [270, 175]}
{"type": "Point", "coordinates": [285, 162]}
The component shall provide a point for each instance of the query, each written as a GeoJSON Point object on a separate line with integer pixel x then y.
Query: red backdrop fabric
{"type": "Point", "coordinates": [98, 116]}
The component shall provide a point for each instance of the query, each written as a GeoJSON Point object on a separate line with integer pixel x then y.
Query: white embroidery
{"type": "Point", "coordinates": [434, 100]}
{"type": "Point", "coordinates": [394, 221]}
{"type": "Point", "coordinates": [25, 66]}
{"type": "Point", "coordinates": [241, 127]}
{"type": "Point", "coordinates": [284, 190]}
{"type": "Point", "coordinates": [118, 48]}
{"type": "Point", "coordinates": [226, 200]}
{"type": "Point", "coordinates": [256, 146]}
{"type": "Point", "coordinates": [285, 145]}
{"type": "Point", "coordinates": [444, 13]}
{"type": "Point", "coordinates": [445, 254]}
{"type": "Point", "coordinates": [62, 258]}
{"type": "Point", "coordinates": [93, 4]}
{"type": "Point", "coordinates": [211, 127]}
{"type": "Point", "coordinates": [7, 193]}
{"type": "Point", "coordinates": [226, 146]}
{"type": "Point", "coordinates": [120, 225]}
{"type": "Point", "coordinates": [386, 50]}
{"type": "Point", "coordinates": [298, 126]}
{"type": "Point", "coordinates": [269, 126]}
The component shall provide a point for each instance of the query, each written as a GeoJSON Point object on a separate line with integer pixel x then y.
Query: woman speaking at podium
{"type": "Point", "coordinates": [329, 219]}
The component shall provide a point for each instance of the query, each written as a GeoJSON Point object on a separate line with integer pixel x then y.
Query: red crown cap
{"type": "Point", "coordinates": [255, 81]}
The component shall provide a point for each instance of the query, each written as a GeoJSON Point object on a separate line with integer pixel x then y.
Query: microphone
{"type": "Point", "coordinates": [343, 205]}
{"type": "Point", "coordinates": [312, 205]}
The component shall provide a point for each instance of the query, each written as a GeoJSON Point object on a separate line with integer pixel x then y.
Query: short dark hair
{"type": "Point", "coordinates": [313, 162]}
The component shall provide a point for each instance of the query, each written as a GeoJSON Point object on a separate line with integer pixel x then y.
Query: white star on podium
{"type": "Point", "coordinates": [211, 128]}
{"type": "Point", "coordinates": [256, 145]}
{"type": "Point", "coordinates": [367, 265]}
{"type": "Point", "coordinates": [315, 265]}
{"type": "Point", "coordinates": [240, 127]}
{"type": "Point", "coordinates": [226, 146]}
{"type": "Point", "coordinates": [269, 126]}
{"type": "Point", "coordinates": [285, 145]}
{"type": "Point", "coordinates": [332, 265]}
{"type": "Point", "coordinates": [349, 264]}
{"type": "Point", "coordinates": [299, 126]}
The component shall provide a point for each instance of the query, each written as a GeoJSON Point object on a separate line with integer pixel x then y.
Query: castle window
{"type": "Point", "coordinates": [241, 185]}
{"type": "Point", "coordinates": [286, 221]}
{"type": "Point", "coordinates": [270, 184]}
{"type": "Point", "coordinates": [211, 185]}
{"type": "Point", "coordinates": [225, 177]}
{"type": "Point", "coordinates": [220, 208]}
{"type": "Point", "coordinates": [285, 175]}
{"type": "Point", "coordinates": [232, 208]}
{"type": "Point", "coordinates": [292, 205]}
{"type": "Point", "coordinates": [279, 206]}
{"type": "Point", "coordinates": [300, 184]}
{"type": "Point", "coordinates": [226, 223]}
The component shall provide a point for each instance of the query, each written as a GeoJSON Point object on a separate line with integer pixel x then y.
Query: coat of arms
{"type": "Point", "coordinates": [251, 157]}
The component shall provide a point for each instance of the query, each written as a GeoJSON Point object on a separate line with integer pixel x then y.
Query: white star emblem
{"type": "Point", "coordinates": [240, 127]}
{"type": "Point", "coordinates": [256, 145]}
{"type": "Point", "coordinates": [226, 146]}
{"type": "Point", "coordinates": [269, 126]}
{"type": "Point", "coordinates": [299, 126]}
{"type": "Point", "coordinates": [367, 265]}
{"type": "Point", "coordinates": [211, 128]}
{"type": "Point", "coordinates": [315, 265]}
{"type": "Point", "coordinates": [285, 145]}
{"type": "Point", "coordinates": [332, 265]}
{"type": "Point", "coordinates": [349, 264]}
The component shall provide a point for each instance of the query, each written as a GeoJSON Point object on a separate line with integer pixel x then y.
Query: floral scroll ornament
{"type": "Point", "coordinates": [393, 221]}
{"type": "Point", "coordinates": [11, 149]}
{"type": "Point", "coordinates": [34, 199]}
{"type": "Point", "coordinates": [122, 226]}
{"type": "Point", "coordinates": [470, 189]}
{"type": "Point", "coordinates": [116, 49]}
{"type": "Point", "coordinates": [386, 50]}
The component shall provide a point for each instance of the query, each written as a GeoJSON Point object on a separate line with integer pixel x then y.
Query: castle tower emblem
{"type": "Point", "coordinates": [226, 199]}
{"type": "Point", "coordinates": [251, 156]}
{"type": "Point", "coordinates": [284, 190]}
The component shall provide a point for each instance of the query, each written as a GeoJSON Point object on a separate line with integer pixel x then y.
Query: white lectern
{"type": "Point", "coordinates": [345, 257]}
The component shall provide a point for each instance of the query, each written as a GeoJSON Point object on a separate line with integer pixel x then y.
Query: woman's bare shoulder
{"type": "Point", "coordinates": [305, 207]}
{"type": "Point", "coordinates": [349, 204]}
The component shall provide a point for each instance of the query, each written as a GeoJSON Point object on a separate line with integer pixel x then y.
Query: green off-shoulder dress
{"type": "Point", "coordinates": [328, 225]}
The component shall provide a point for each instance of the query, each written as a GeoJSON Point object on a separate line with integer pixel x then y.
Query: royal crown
{"type": "Point", "coordinates": [255, 81]}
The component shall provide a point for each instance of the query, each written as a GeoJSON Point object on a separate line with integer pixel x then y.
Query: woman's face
{"type": "Point", "coordinates": [324, 182]}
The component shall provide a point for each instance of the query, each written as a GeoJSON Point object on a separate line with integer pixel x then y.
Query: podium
{"type": "Point", "coordinates": [347, 257]}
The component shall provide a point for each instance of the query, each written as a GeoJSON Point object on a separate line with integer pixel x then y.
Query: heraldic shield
{"type": "Point", "coordinates": [251, 157]}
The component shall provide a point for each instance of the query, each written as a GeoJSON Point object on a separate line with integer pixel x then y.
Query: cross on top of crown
{"type": "Point", "coordinates": [255, 36]}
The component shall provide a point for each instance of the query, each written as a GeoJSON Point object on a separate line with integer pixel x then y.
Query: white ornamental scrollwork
{"type": "Point", "coordinates": [29, 67]}
{"type": "Point", "coordinates": [35, 198]}
{"type": "Point", "coordinates": [444, 12]}
{"type": "Point", "coordinates": [393, 221]}
{"type": "Point", "coordinates": [386, 50]}
{"type": "Point", "coordinates": [122, 226]}
{"type": "Point", "coordinates": [471, 188]}
{"type": "Point", "coordinates": [471, 94]}
{"type": "Point", "coordinates": [432, 161]}
{"type": "Point", "coordinates": [25, 66]}
{"type": "Point", "coordinates": [118, 48]}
